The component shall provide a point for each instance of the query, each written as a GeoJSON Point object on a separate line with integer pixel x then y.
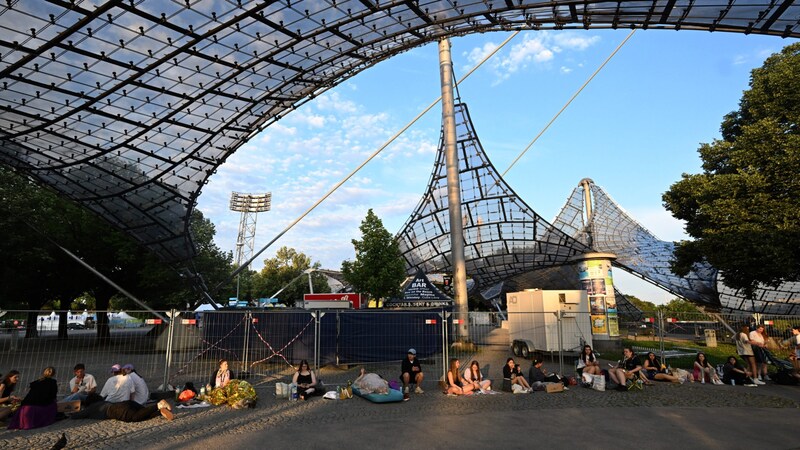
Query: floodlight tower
{"type": "Point", "coordinates": [249, 205]}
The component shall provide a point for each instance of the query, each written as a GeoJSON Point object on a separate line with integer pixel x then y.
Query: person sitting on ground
{"type": "Point", "coordinates": [38, 408]}
{"type": "Point", "coordinates": [588, 363]}
{"type": "Point", "coordinates": [118, 388]}
{"type": "Point", "coordinates": [512, 374]}
{"type": "Point", "coordinates": [411, 373]}
{"type": "Point", "coordinates": [733, 371]}
{"type": "Point", "coordinates": [654, 370]}
{"type": "Point", "coordinates": [456, 385]}
{"type": "Point", "coordinates": [473, 376]}
{"type": "Point", "coordinates": [220, 377]}
{"type": "Point", "coordinates": [371, 383]}
{"type": "Point", "coordinates": [81, 385]}
{"type": "Point", "coordinates": [702, 368]}
{"type": "Point", "coordinates": [141, 393]}
{"type": "Point", "coordinates": [305, 380]}
{"type": "Point", "coordinates": [539, 376]}
{"type": "Point", "coordinates": [627, 369]}
{"type": "Point", "coordinates": [9, 403]}
{"type": "Point", "coordinates": [793, 342]}
{"type": "Point", "coordinates": [744, 348]}
{"type": "Point", "coordinates": [127, 411]}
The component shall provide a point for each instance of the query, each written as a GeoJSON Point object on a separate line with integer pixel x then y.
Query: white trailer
{"type": "Point", "coordinates": [533, 321]}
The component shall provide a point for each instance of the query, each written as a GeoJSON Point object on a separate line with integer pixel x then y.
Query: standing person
{"type": "Point", "coordinates": [702, 368]}
{"type": "Point", "coordinates": [758, 344]}
{"type": "Point", "coordinates": [220, 377]}
{"type": "Point", "coordinates": [627, 369]}
{"type": "Point", "coordinates": [411, 373]}
{"type": "Point", "coordinates": [81, 385]}
{"type": "Point", "coordinates": [587, 362]}
{"type": "Point", "coordinates": [305, 380]}
{"type": "Point", "coordinates": [38, 408]}
{"type": "Point", "coordinates": [8, 402]}
{"type": "Point", "coordinates": [118, 388]}
{"type": "Point", "coordinates": [141, 393]}
{"type": "Point", "coordinates": [745, 349]}
{"type": "Point", "coordinates": [456, 385]}
{"type": "Point", "coordinates": [474, 377]}
{"type": "Point", "coordinates": [512, 374]}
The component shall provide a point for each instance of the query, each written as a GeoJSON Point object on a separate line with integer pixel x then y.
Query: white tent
{"type": "Point", "coordinates": [207, 307]}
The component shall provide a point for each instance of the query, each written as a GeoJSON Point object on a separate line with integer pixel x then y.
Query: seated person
{"type": "Point", "coordinates": [538, 376]}
{"type": "Point", "coordinates": [305, 380]}
{"type": "Point", "coordinates": [38, 408]}
{"type": "Point", "coordinates": [127, 411]}
{"type": "Point", "coordinates": [734, 371]}
{"type": "Point", "coordinates": [473, 376]}
{"type": "Point", "coordinates": [793, 342]}
{"type": "Point", "coordinates": [512, 374]}
{"type": "Point", "coordinates": [141, 393]}
{"type": "Point", "coordinates": [411, 373]}
{"type": "Point", "coordinates": [81, 385]}
{"type": "Point", "coordinates": [118, 388]}
{"type": "Point", "coordinates": [703, 370]}
{"type": "Point", "coordinates": [9, 403]}
{"type": "Point", "coordinates": [456, 385]}
{"type": "Point", "coordinates": [627, 369]}
{"type": "Point", "coordinates": [588, 363]}
{"type": "Point", "coordinates": [654, 370]}
{"type": "Point", "coordinates": [371, 383]}
{"type": "Point", "coordinates": [220, 377]}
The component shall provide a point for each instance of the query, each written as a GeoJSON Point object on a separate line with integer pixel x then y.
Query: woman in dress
{"type": "Point", "coordinates": [456, 384]}
{"type": "Point", "coordinates": [305, 380]}
{"type": "Point", "coordinates": [8, 402]}
{"type": "Point", "coordinates": [474, 377]}
{"type": "Point", "coordinates": [38, 408]}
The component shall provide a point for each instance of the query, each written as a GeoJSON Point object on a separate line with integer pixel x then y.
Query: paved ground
{"type": "Point", "coordinates": [662, 416]}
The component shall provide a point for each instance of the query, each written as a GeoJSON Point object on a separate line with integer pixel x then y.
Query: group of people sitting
{"type": "Point", "coordinates": [123, 397]}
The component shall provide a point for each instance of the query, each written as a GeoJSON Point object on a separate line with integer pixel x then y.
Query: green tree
{"type": "Point", "coordinates": [643, 305]}
{"type": "Point", "coordinates": [742, 210]}
{"type": "Point", "coordinates": [284, 272]}
{"type": "Point", "coordinates": [378, 269]}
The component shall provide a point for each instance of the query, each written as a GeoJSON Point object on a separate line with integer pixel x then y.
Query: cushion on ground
{"type": "Point", "coordinates": [393, 396]}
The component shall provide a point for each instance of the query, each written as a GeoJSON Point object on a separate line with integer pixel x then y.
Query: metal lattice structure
{"type": "Point", "coordinates": [128, 107]}
{"type": "Point", "coordinates": [503, 236]}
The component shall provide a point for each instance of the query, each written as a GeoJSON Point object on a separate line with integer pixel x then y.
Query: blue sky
{"type": "Point", "coordinates": [634, 130]}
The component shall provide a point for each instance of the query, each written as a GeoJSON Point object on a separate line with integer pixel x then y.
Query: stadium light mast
{"type": "Point", "coordinates": [249, 205]}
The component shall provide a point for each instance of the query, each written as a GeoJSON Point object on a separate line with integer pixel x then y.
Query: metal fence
{"type": "Point", "coordinates": [266, 345]}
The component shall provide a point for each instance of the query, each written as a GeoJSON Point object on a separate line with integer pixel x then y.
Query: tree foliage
{"type": "Point", "coordinates": [378, 269]}
{"type": "Point", "coordinates": [283, 272]}
{"type": "Point", "coordinates": [742, 210]}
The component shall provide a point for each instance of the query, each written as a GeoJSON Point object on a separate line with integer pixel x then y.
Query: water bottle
{"type": "Point", "coordinates": [733, 382]}
{"type": "Point", "coordinates": [703, 377]}
{"type": "Point", "coordinates": [293, 393]}
{"type": "Point", "coordinates": [177, 393]}
{"type": "Point", "coordinates": [203, 391]}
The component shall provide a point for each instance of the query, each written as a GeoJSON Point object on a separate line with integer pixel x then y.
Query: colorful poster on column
{"type": "Point", "coordinates": [613, 325]}
{"type": "Point", "coordinates": [599, 324]}
{"type": "Point", "coordinates": [598, 282]}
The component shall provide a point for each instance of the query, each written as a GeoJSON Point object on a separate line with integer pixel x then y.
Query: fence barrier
{"type": "Point", "coordinates": [267, 345]}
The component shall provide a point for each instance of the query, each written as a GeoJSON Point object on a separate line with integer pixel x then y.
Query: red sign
{"type": "Point", "coordinates": [153, 321]}
{"type": "Point", "coordinates": [769, 322]}
{"type": "Point", "coordinates": [672, 319]}
{"type": "Point", "coordinates": [354, 299]}
{"type": "Point", "coordinates": [189, 321]}
{"type": "Point", "coordinates": [648, 320]}
{"type": "Point", "coordinates": [255, 319]}
{"type": "Point", "coordinates": [430, 321]}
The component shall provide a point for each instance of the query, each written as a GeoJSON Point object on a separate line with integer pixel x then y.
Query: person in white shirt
{"type": "Point", "coordinates": [118, 388]}
{"type": "Point", "coordinates": [81, 385]}
{"type": "Point", "coordinates": [474, 377]}
{"type": "Point", "coordinates": [141, 393]}
{"type": "Point", "coordinates": [758, 344]}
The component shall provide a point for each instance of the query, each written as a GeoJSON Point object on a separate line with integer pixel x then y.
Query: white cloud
{"type": "Point", "coordinates": [565, 70]}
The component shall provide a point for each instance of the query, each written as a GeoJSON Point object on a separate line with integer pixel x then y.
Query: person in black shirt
{"type": "Point", "coordinates": [627, 369]}
{"type": "Point", "coordinates": [411, 373]}
{"type": "Point", "coordinates": [38, 408]}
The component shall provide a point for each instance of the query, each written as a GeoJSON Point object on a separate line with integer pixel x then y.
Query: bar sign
{"type": "Point", "coordinates": [189, 321]}
{"type": "Point", "coordinates": [430, 321]}
{"type": "Point", "coordinates": [153, 321]}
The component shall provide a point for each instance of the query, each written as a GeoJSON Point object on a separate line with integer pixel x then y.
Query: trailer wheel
{"type": "Point", "coordinates": [515, 348]}
{"type": "Point", "coordinates": [525, 352]}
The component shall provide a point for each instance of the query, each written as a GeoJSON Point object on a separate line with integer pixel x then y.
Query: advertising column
{"type": "Point", "coordinates": [594, 273]}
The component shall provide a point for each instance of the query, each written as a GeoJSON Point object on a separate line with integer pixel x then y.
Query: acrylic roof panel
{"type": "Point", "coordinates": [127, 107]}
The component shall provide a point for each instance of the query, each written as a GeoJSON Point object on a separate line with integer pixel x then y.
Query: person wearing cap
{"type": "Point", "coordinates": [140, 391]}
{"type": "Point", "coordinates": [118, 388]}
{"type": "Point", "coordinates": [82, 385]}
{"type": "Point", "coordinates": [411, 373]}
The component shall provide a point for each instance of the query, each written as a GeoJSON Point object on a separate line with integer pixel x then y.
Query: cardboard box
{"type": "Point", "coordinates": [554, 387]}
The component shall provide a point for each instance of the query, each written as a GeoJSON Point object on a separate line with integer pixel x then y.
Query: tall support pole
{"type": "Point", "coordinates": [453, 191]}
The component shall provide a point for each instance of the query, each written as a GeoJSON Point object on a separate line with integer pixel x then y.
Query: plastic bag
{"type": "Point", "coordinates": [599, 383]}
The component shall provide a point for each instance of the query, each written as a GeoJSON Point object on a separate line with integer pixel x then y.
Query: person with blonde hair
{"type": "Point", "coordinates": [456, 385]}
{"type": "Point", "coordinates": [38, 408]}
